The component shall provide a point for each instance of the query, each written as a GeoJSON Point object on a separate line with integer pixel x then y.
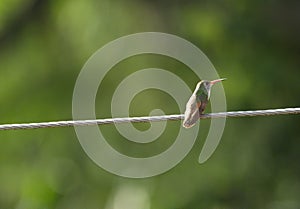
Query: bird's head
{"type": "Point", "coordinates": [204, 86]}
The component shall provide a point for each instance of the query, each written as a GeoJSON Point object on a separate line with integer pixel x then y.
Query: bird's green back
{"type": "Point", "coordinates": [202, 94]}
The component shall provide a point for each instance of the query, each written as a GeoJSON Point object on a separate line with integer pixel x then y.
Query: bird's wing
{"type": "Point", "coordinates": [190, 122]}
{"type": "Point", "coordinates": [191, 114]}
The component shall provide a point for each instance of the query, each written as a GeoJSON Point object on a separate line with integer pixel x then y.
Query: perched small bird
{"type": "Point", "coordinates": [197, 102]}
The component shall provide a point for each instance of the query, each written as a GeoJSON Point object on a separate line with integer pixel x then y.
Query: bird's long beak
{"type": "Point", "coordinates": [216, 81]}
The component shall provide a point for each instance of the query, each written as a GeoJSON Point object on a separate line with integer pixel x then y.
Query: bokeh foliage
{"type": "Point", "coordinates": [255, 44]}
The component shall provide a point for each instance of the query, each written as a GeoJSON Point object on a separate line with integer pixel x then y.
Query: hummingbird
{"type": "Point", "coordinates": [197, 102]}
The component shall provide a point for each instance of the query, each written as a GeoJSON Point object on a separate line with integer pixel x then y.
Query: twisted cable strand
{"type": "Point", "coordinates": [283, 111]}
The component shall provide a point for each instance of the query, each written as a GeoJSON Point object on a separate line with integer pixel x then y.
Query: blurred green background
{"type": "Point", "coordinates": [255, 44]}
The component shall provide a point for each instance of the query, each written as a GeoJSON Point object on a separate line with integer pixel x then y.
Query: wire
{"type": "Point", "coordinates": [54, 124]}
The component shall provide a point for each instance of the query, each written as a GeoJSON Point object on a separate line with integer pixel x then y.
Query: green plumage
{"type": "Point", "coordinates": [202, 94]}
